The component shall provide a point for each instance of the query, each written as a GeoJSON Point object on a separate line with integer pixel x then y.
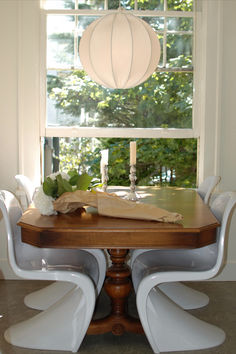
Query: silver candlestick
{"type": "Point", "coordinates": [105, 178]}
{"type": "Point", "coordinates": [132, 195]}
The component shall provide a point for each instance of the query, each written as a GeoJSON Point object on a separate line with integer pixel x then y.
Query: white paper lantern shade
{"type": "Point", "coordinates": [119, 50]}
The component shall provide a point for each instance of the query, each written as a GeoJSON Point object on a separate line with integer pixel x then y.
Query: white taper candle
{"type": "Point", "coordinates": [104, 160]}
{"type": "Point", "coordinates": [132, 153]}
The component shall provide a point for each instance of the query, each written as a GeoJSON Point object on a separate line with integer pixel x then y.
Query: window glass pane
{"type": "Point", "coordinates": [164, 100]}
{"type": "Point", "coordinates": [179, 50]}
{"type": "Point", "coordinates": [126, 4]}
{"type": "Point", "coordinates": [180, 24]}
{"type": "Point", "coordinates": [180, 5]}
{"type": "Point", "coordinates": [151, 5]}
{"type": "Point", "coordinates": [160, 64]}
{"type": "Point", "coordinates": [157, 23]}
{"type": "Point", "coordinates": [60, 41]}
{"type": "Point", "coordinates": [92, 4]}
{"type": "Point", "coordinates": [159, 161]}
{"type": "Point", "coordinates": [59, 4]}
{"type": "Point", "coordinates": [83, 23]}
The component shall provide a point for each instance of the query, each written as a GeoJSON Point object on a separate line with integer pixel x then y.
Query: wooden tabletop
{"type": "Point", "coordinates": [90, 230]}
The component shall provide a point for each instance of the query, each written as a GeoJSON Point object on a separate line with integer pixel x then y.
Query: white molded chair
{"type": "Point", "coordinates": [27, 186]}
{"type": "Point", "coordinates": [183, 295]}
{"type": "Point", "coordinates": [45, 297]}
{"type": "Point", "coordinates": [63, 325]}
{"type": "Point", "coordinates": [207, 187]}
{"type": "Point", "coordinates": [167, 326]}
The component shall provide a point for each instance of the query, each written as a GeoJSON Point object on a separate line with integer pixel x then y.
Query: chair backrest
{"type": "Point", "coordinates": [207, 186]}
{"type": "Point", "coordinates": [222, 207]}
{"type": "Point", "coordinates": [21, 255]}
{"type": "Point", "coordinates": [11, 211]}
{"type": "Point", "coordinates": [25, 183]}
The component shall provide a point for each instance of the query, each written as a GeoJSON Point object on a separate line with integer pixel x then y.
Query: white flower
{"type": "Point", "coordinates": [63, 174]}
{"type": "Point", "coordinates": [43, 202]}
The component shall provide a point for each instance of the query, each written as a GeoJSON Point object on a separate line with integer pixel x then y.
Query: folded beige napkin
{"type": "Point", "coordinates": [109, 204]}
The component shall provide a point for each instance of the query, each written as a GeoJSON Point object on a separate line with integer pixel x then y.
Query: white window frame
{"type": "Point", "coordinates": [103, 132]}
{"type": "Point", "coordinates": [207, 82]}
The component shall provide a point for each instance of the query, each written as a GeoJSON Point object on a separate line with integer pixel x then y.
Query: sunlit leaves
{"type": "Point", "coordinates": [81, 182]}
{"type": "Point", "coordinates": [50, 187]}
{"type": "Point", "coordinates": [180, 5]}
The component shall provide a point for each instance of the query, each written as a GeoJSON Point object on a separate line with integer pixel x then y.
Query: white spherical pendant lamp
{"type": "Point", "coordinates": [119, 50]}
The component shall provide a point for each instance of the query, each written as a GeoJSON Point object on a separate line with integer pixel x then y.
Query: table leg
{"type": "Point", "coordinates": [118, 287]}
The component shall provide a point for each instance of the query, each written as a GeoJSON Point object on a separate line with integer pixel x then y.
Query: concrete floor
{"type": "Point", "coordinates": [221, 311]}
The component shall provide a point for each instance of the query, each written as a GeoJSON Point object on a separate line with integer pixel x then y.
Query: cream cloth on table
{"type": "Point", "coordinates": [109, 204]}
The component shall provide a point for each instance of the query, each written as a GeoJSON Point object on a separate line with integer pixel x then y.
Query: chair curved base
{"type": "Point", "coordinates": [42, 299]}
{"type": "Point", "coordinates": [170, 328]}
{"type": "Point", "coordinates": [181, 294]}
{"type": "Point", "coordinates": [61, 327]}
{"type": "Point", "coordinates": [184, 296]}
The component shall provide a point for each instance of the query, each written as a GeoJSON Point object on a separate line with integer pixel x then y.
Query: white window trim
{"type": "Point", "coordinates": [206, 107]}
{"type": "Point", "coordinates": [120, 132]}
{"type": "Point", "coordinates": [104, 132]}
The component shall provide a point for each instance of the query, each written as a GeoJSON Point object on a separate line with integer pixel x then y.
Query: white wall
{"type": "Point", "coordinates": [8, 93]}
{"type": "Point", "coordinates": [8, 108]}
{"type": "Point", "coordinates": [19, 108]}
{"type": "Point", "coordinates": [228, 124]}
{"type": "Point", "coordinates": [19, 97]}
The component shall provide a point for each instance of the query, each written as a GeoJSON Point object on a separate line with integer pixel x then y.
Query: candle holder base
{"type": "Point", "coordinates": [105, 178]}
{"type": "Point", "coordinates": [133, 196]}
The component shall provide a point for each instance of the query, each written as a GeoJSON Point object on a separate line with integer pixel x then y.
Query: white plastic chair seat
{"type": "Point", "coordinates": [63, 325]}
{"type": "Point", "coordinates": [167, 326]}
{"type": "Point", "coordinates": [200, 259]}
{"type": "Point", "coordinates": [184, 296]}
{"type": "Point", "coordinates": [181, 294]}
{"type": "Point", "coordinates": [45, 297]}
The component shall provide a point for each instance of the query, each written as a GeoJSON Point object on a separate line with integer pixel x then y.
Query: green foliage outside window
{"type": "Point", "coordinates": [164, 100]}
{"type": "Point", "coordinates": [159, 161]}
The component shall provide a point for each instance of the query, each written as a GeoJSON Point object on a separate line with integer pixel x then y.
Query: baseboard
{"type": "Point", "coordinates": [6, 271]}
{"type": "Point", "coordinates": [228, 273]}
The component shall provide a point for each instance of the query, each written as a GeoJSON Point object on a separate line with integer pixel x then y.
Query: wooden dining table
{"type": "Point", "coordinates": [118, 236]}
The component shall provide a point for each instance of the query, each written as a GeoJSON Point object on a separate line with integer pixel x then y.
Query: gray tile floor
{"type": "Point", "coordinates": [221, 311]}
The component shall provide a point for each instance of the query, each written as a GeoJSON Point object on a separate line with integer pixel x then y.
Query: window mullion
{"type": "Point", "coordinates": [165, 5]}
{"type": "Point", "coordinates": [76, 42]}
{"type": "Point", "coordinates": [158, 133]}
{"type": "Point", "coordinates": [164, 42]}
{"type": "Point", "coordinates": [139, 13]}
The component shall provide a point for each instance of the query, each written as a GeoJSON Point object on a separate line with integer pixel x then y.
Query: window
{"type": "Point", "coordinates": [82, 117]}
